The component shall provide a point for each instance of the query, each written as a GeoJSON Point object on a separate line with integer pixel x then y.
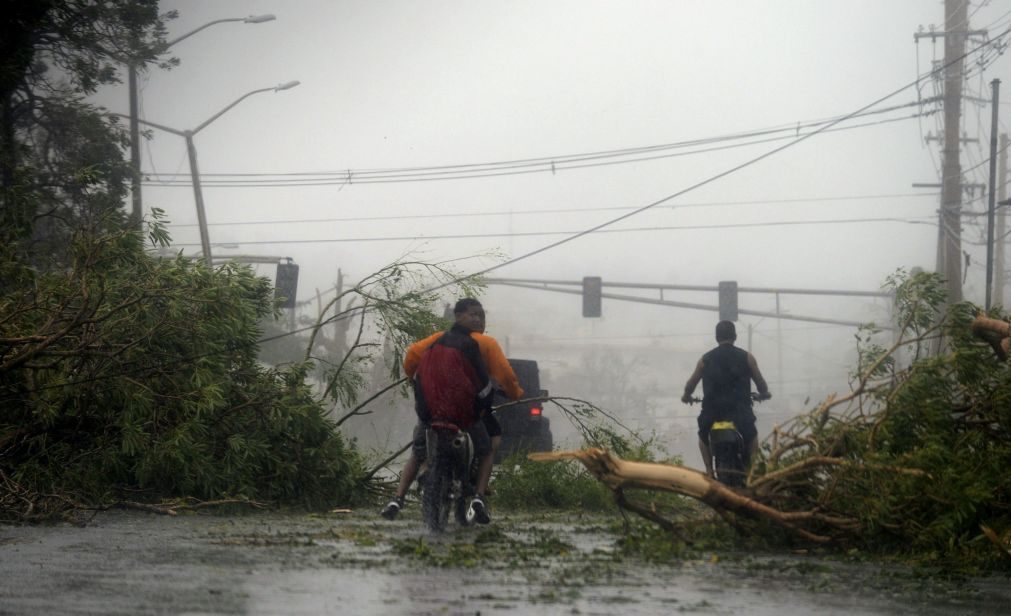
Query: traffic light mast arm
{"type": "Point", "coordinates": [689, 287]}
{"type": "Point", "coordinates": [539, 286]}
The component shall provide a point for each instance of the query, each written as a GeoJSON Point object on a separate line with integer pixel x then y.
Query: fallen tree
{"type": "Point", "coordinates": [912, 460]}
{"type": "Point", "coordinates": [620, 475]}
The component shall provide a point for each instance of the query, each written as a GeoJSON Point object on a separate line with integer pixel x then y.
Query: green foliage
{"type": "Point", "coordinates": [131, 372]}
{"type": "Point", "coordinates": [565, 484]}
{"type": "Point", "coordinates": [377, 319]}
{"type": "Point", "coordinates": [119, 371]}
{"type": "Point", "coordinates": [61, 162]}
{"type": "Point", "coordinates": [654, 544]}
{"type": "Point", "coordinates": [489, 548]}
{"type": "Point", "coordinates": [523, 484]}
{"type": "Point", "coordinates": [873, 359]}
{"type": "Point", "coordinates": [921, 453]}
{"type": "Point", "coordinates": [919, 298]}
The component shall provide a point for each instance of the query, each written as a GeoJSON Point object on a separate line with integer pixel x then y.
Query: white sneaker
{"type": "Point", "coordinates": [392, 508]}
{"type": "Point", "coordinates": [478, 511]}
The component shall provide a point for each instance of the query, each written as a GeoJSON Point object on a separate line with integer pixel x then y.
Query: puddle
{"type": "Point", "coordinates": [136, 563]}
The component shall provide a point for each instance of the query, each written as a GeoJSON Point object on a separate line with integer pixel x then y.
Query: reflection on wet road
{"type": "Point", "coordinates": [136, 563]}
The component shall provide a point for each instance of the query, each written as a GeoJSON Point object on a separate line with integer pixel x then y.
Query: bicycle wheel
{"type": "Point", "coordinates": [463, 491]}
{"type": "Point", "coordinates": [460, 508]}
{"type": "Point", "coordinates": [435, 499]}
{"type": "Point", "coordinates": [729, 466]}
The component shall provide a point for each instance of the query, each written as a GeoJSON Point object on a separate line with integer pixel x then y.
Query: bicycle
{"type": "Point", "coordinates": [727, 448]}
{"type": "Point", "coordinates": [449, 482]}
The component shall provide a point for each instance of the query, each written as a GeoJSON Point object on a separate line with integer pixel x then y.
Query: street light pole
{"type": "Point", "coordinates": [198, 197]}
{"type": "Point", "coordinates": [191, 151]}
{"type": "Point", "coordinates": [134, 115]}
{"type": "Point", "coordinates": [252, 19]}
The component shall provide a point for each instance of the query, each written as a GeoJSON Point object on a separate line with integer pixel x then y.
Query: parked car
{"type": "Point", "coordinates": [524, 426]}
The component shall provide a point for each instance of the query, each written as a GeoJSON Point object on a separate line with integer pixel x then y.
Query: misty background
{"type": "Point", "coordinates": [479, 132]}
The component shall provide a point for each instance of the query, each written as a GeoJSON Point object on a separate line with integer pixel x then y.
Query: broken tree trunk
{"type": "Point", "coordinates": [994, 331]}
{"type": "Point", "coordinates": [619, 474]}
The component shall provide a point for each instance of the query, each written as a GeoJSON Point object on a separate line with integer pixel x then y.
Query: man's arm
{"type": "Point", "coordinates": [692, 383]}
{"type": "Point", "coordinates": [498, 366]}
{"type": "Point", "coordinates": [412, 358]}
{"type": "Point", "coordinates": [756, 376]}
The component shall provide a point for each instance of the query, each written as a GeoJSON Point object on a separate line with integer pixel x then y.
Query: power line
{"type": "Point", "coordinates": [595, 229]}
{"type": "Point", "coordinates": [506, 168]}
{"type": "Point", "coordinates": [704, 182]}
{"type": "Point", "coordinates": [713, 178]}
{"type": "Point", "coordinates": [792, 127]}
{"type": "Point", "coordinates": [928, 220]}
{"type": "Point", "coordinates": [558, 210]}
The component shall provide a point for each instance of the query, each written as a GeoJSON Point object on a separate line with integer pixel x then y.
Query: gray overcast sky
{"type": "Point", "coordinates": [400, 84]}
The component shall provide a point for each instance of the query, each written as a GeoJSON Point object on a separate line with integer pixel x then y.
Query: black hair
{"type": "Point", "coordinates": [725, 330]}
{"type": "Point", "coordinates": [464, 305]}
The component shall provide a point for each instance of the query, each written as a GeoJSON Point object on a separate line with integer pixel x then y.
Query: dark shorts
{"type": "Point", "coordinates": [492, 425]}
{"type": "Point", "coordinates": [478, 434]}
{"type": "Point", "coordinates": [743, 418]}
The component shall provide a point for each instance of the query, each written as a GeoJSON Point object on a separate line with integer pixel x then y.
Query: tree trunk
{"type": "Point", "coordinates": [619, 474]}
{"type": "Point", "coordinates": [995, 332]}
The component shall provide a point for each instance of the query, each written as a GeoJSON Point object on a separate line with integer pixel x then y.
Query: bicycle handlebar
{"type": "Point", "coordinates": [755, 397]}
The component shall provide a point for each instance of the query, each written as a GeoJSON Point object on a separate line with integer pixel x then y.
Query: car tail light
{"type": "Point", "coordinates": [535, 411]}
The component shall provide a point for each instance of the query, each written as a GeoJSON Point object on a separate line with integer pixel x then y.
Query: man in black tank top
{"type": "Point", "coordinates": [726, 373]}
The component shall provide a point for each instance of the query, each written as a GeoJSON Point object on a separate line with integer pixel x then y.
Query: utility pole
{"type": "Point", "coordinates": [956, 26]}
{"type": "Point", "coordinates": [779, 347]}
{"type": "Point", "coordinates": [1002, 206]}
{"type": "Point", "coordinates": [137, 209]}
{"type": "Point", "coordinates": [992, 196]}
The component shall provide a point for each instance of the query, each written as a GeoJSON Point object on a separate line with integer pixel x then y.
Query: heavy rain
{"type": "Point", "coordinates": [234, 232]}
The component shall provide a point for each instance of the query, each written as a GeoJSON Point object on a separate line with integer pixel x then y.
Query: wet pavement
{"type": "Point", "coordinates": [126, 562]}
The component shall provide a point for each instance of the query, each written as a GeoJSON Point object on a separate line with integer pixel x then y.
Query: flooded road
{"type": "Point", "coordinates": [356, 563]}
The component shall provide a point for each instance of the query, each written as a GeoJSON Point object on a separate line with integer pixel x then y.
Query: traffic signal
{"type": "Point", "coordinates": [591, 296]}
{"type": "Point", "coordinates": [286, 283]}
{"type": "Point", "coordinates": [728, 300]}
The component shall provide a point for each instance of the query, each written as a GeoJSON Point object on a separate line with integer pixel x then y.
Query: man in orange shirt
{"type": "Point", "coordinates": [469, 315]}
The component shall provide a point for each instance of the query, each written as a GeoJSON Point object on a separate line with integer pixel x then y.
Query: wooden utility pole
{"type": "Point", "coordinates": [956, 26]}
{"type": "Point", "coordinates": [1001, 213]}
{"type": "Point", "coordinates": [991, 194]}
{"type": "Point", "coordinates": [137, 211]}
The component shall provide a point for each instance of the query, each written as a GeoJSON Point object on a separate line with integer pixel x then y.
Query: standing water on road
{"type": "Point", "coordinates": [356, 563]}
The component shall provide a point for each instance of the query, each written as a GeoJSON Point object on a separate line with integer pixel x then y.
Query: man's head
{"type": "Point", "coordinates": [469, 314]}
{"type": "Point", "coordinates": [726, 332]}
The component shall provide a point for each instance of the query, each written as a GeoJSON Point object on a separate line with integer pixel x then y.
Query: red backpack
{"type": "Point", "coordinates": [449, 385]}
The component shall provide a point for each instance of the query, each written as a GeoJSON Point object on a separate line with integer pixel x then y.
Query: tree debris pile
{"type": "Point", "coordinates": [914, 460]}
{"type": "Point", "coordinates": [142, 381]}
{"type": "Point", "coordinates": [125, 377]}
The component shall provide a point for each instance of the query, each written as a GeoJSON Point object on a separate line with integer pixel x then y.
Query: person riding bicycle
{"type": "Point", "coordinates": [726, 373]}
{"type": "Point", "coordinates": [469, 316]}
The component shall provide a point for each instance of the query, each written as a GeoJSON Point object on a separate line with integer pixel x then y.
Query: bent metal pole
{"type": "Point", "coordinates": [198, 196]}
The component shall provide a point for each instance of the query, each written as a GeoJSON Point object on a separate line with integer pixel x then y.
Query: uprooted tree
{"type": "Point", "coordinates": [914, 459]}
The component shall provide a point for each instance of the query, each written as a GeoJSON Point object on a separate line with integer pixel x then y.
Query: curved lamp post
{"type": "Point", "coordinates": [191, 150]}
{"type": "Point", "coordinates": [135, 103]}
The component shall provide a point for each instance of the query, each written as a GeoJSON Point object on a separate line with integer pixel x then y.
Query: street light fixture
{"type": "Point", "coordinates": [138, 209]}
{"type": "Point", "coordinates": [191, 150]}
